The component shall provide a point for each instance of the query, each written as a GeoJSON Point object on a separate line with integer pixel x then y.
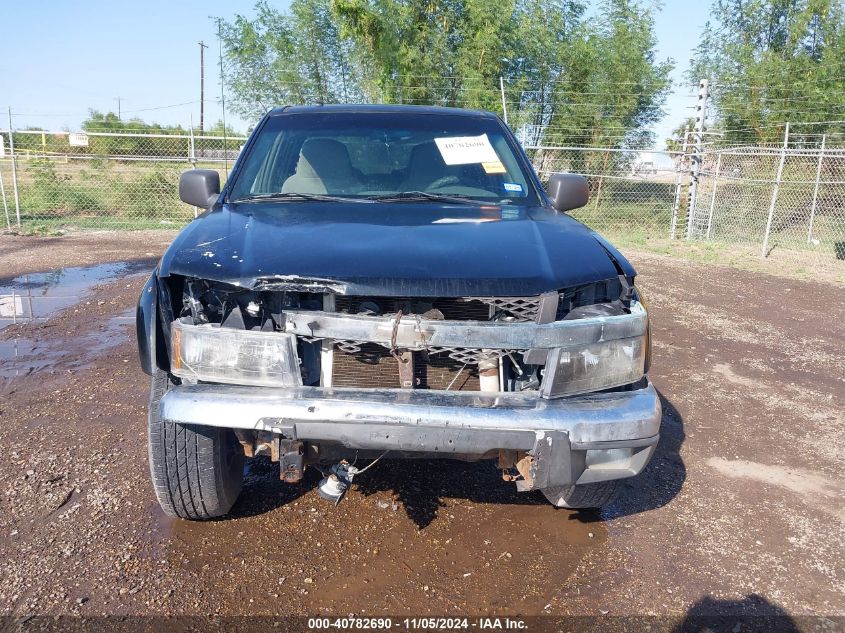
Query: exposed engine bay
{"type": "Point", "coordinates": [350, 363]}
{"type": "Point", "coordinates": [309, 321]}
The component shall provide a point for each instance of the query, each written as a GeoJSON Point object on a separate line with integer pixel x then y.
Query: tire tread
{"type": "Point", "coordinates": [187, 464]}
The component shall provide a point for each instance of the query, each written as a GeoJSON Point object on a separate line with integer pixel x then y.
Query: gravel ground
{"type": "Point", "coordinates": [740, 512]}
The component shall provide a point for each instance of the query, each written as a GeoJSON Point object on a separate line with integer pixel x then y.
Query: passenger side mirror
{"type": "Point", "coordinates": [568, 191]}
{"type": "Point", "coordinates": [199, 187]}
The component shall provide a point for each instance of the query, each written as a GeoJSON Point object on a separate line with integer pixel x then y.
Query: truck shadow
{"type": "Point", "coordinates": [263, 491]}
{"type": "Point", "coordinates": [664, 476]}
{"type": "Point", "coordinates": [419, 486]}
{"type": "Point", "coordinates": [752, 613]}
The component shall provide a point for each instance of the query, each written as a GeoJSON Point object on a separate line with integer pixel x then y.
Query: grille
{"type": "Point", "coordinates": [367, 365]}
{"type": "Point", "coordinates": [452, 308]}
{"type": "Point", "coordinates": [373, 367]}
{"type": "Point", "coordinates": [468, 355]}
{"type": "Point", "coordinates": [521, 308]}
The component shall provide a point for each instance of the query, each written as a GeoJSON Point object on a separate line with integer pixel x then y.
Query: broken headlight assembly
{"type": "Point", "coordinates": [596, 366]}
{"type": "Point", "coordinates": [212, 353]}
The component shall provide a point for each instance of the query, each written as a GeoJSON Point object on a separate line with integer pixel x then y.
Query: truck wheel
{"type": "Point", "coordinates": [593, 495]}
{"type": "Point", "coordinates": [197, 471]}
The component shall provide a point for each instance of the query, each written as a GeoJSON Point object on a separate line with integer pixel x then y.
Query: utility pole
{"type": "Point", "coordinates": [203, 46]}
{"type": "Point", "coordinates": [223, 95]}
{"type": "Point", "coordinates": [118, 108]}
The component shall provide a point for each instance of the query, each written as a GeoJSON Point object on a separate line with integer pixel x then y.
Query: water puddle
{"type": "Point", "coordinates": [479, 542]}
{"type": "Point", "coordinates": [36, 297]}
{"type": "Point", "coordinates": [22, 356]}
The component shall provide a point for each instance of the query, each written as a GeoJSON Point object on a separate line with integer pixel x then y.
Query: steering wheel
{"type": "Point", "coordinates": [443, 181]}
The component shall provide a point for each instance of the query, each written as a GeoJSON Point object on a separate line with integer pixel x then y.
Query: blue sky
{"type": "Point", "coordinates": [59, 58]}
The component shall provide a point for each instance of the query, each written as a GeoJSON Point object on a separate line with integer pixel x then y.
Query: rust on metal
{"type": "Point", "coordinates": [405, 361]}
{"type": "Point", "coordinates": [247, 441]}
{"type": "Point", "coordinates": [290, 455]}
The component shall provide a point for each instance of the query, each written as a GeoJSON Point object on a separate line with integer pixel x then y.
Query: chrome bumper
{"type": "Point", "coordinates": [559, 433]}
{"type": "Point", "coordinates": [414, 333]}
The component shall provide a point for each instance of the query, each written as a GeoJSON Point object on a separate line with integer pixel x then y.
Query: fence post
{"type": "Point", "coordinates": [713, 194]}
{"type": "Point", "coordinates": [698, 149]}
{"type": "Point", "coordinates": [3, 195]}
{"type": "Point", "coordinates": [676, 204]}
{"type": "Point", "coordinates": [816, 191]}
{"type": "Point", "coordinates": [14, 171]}
{"type": "Point", "coordinates": [192, 158]}
{"type": "Point", "coordinates": [775, 192]}
{"type": "Point", "coordinates": [193, 155]}
{"type": "Point", "coordinates": [504, 105]}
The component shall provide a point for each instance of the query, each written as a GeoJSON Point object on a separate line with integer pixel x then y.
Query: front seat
{"type": "Point", "coordinates": [425, 166]}
{"type": "Point", "coordinates": [323, 167]}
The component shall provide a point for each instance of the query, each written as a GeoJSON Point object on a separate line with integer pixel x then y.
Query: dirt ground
{"type": "Point", "coordinates": [740, 512]}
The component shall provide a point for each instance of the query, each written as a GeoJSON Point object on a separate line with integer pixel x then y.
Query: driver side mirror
{"type": "Point", "coordinates": [568, 191]}
{"type": "Point", "coordinates": [199, 187]}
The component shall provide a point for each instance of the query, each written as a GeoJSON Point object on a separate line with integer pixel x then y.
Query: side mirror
{"type": "Point", "coordinates": [568, 191]}
{"type": "Point", "coordinates": [199, 187]}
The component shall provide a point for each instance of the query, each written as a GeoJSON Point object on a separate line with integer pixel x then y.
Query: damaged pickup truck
{"type": "Point", "coordinates": [392, 282]}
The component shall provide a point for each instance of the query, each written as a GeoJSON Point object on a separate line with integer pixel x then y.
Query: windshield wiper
{"type": "Point", "coordinates": [292, 195]}
{"type": "Point", "coordinates": [417, 196]}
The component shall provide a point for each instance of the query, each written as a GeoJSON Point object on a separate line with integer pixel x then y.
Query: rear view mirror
{"type": "Point", "coordinates": [199, 187]}
{"type": "Point", "coordinates": [568, 191]}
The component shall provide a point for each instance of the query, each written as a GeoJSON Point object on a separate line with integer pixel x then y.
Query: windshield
{"type": "Point", "coordinates": [382, 156]}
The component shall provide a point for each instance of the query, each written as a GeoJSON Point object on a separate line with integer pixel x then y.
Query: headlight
{"type": "Point", "coordinates": [641, 298]}
{"type": "Point", "coordinates": [602, 365]}
{"type": "Point", "coordinates": [241, 357]}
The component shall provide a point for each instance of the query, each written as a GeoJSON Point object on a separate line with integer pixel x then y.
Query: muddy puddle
{"type": "Point", "coordinates": [24, 356]}
{"type": "Point", "coordinates": [38, 296]}
{"type": "Point", "coordinates": [428, 534]}
{"type": "Point", "coordinates": [35, 298]}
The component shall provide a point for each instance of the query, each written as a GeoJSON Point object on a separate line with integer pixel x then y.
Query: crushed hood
{"type": "Point", "coordinates": [412, 249]}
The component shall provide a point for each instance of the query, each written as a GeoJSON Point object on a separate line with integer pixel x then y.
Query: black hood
{"type": "Point", "coordinates": [407, 249]}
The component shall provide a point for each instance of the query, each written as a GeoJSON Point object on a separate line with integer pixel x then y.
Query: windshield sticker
{"type": "Point", "coordinates": [463, 150]}
{"type": "Point", "coordinates": [495, 167]}
{"type": "Point", "coordinates": [513, 186]}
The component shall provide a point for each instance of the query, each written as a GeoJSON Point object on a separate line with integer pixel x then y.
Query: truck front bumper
{"type": "Point", "coordinates": [583, 439]}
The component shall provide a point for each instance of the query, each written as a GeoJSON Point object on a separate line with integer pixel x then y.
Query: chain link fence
{"type": "Point", "coordinates": [632, 193]}
{"type": "Point", "coordinates": [66, 180]}
{"type": "Point", "coordinates": [782, 203]}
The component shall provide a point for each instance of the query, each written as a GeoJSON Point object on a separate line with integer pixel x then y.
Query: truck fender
{"type": "Point", "coordinates": [151, 349]}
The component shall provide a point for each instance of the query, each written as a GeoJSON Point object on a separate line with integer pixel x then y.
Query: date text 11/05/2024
{"type": "Point", "coordinates": [425, 623]}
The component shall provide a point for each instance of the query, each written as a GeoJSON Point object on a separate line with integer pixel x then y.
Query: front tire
{"type": "Point", "coordinates": [197, 471]}
{"type": "Point", "coordinates": [584, 496]}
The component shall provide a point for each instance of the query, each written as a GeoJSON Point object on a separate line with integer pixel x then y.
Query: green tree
{"type": "Point", "coordinates": [570, 78]}
{"type": "Point", "coordinates": [282, 58]}
{"type": "Point", "coordinates": [675, 143]}
{"type": "Point", "coordinates": [773, 61]}
{"type": "Point", "coordinates": [446, 52]}
{"type": "Point", "coordinates": [218, 130]}
{"type": "Point", "coordinates": [109, 122]}
{"type": "Point", "coordinates": [127, 140]}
